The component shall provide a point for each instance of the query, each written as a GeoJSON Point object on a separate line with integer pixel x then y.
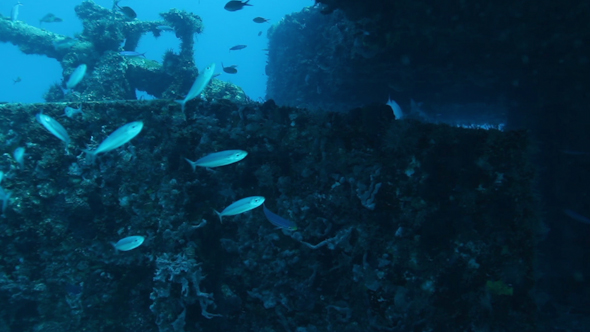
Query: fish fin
{"type": "Point", "coordinates": [192, 163]}
{"type": "Point", "coordinates": [182, 103]}
{"type": "Point", "coordinates": [219, 214]}
{"type": "Point", "coordinates": [90, 155]}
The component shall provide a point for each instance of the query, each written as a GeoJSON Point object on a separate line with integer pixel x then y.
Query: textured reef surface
{"type": "Point", "coordinates": [402, 226]}
{"type": "Point", "coordinates": [111, 75]}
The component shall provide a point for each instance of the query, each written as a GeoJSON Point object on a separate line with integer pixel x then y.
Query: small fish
{"type": "Point", "coordinates": [132, 54]}
{"type": "Point", "coordinates": [217, 159]}
{"type": "Point", "coordinates": [230, 69]}
{"type": "Point", "coordinates": [19, 156]}
{"type": "Point", "coordinates": [54, 127]}
{"type": "Point", "coordinates": [119, 137]}
{"type": "Point", "coordinates": [260, 20]}
{"type": "Point", "coordinates": [128, 12]}
{"type": "Point", "coordinates": [199, 85]}
{"type": "Point", "coordinates": [70, 112]}
{"type": "Point", "coordinates": [76, 76]}
{"type": "Point", "coordinates": [129, 243]}
{"type": "Point", "coordinates": [18, 79]}
{"type": "Point", "coordinates": [241, 206]}
{"type": "Point", "coordinates": [50, 18]}
{"type": "Point", "coordinates": [165, 28]}
{"type": "Point", "coordinates": [232, 6]}
{"type": "Point", "coordinates": [397, 111]}
{"type": "Point", "coordinates": [259, 33]}
{"type": "Point", "coordinates": [278, 221]}
{"type": "Point", "coordinates": [238, 47]}
{"type": "Point", "coordinates": [14, 12]}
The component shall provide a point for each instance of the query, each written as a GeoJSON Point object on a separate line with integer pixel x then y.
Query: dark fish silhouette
{"type": "Point", "coordinates": [128, 12]}
{"type": "Point", "coordinates": [238, 47]}
{"type": "Point", "coordinates": [232, 6]}
{"type": "Point", "coordinates": [229, 69]}
{"type": "Point", "coordinates": [50, 18]}
{"type": "Point", "coordinates": [259, 33]}
{"type": "Point", "coordinates": [260, 19]}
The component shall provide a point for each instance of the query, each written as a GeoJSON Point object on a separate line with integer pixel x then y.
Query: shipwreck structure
{"type": "Point", "coordinates": [112, 76]}
{"type": "Point", "coordinates": [401, 225]}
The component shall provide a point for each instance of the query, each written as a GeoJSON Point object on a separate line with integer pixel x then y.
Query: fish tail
{"type": "Point", "coordinates": [192, 163]}
{"type": "Point", "coordinates": [90, 155]}
{"type": "Point", "coordinates": [219, 214]}
{"type": "Point", "coordinates": [182, 103]}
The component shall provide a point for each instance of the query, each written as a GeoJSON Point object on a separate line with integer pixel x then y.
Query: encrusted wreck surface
{"type": "Point", "coordinates": [401, 225]}
{"type": "Point", "coordinates": [348, 53]}
{"type": "Point", "coordinates": [112, 76]}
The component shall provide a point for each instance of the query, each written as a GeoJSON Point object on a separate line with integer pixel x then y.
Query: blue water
{"type": "Point", "coordinates": [223, 30]}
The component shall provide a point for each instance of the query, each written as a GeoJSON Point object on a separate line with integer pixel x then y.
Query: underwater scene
{"type": "Point", "coordinates": [294, 166]}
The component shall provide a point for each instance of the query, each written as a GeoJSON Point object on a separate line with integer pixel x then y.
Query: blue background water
{"type": "Point", "coordinates": [223, 30]}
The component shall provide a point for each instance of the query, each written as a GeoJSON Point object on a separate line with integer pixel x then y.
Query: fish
{"type": "Point", "coordinates": [19, 156]}
{"type": "Point", "coordinates": [217, 159]}
{"type": "Point", "coordinates": [241, 206]}
{"type": "Point", "coordinates": [238, 47]}
{"type": "Point", "coordinates": [128, 12]}
{"type": "Point", "coordinates": [132, 54]}
{"type": "Point", "coordinates": [70, 111]}
{"type": "Point", "coordinates": [54, 127]}
{"type": "Point", "coordinates": [397, 111]}
{"type": "Point", "coordinates": [259, 33]}
{"type": "Point", "coordinates": [260, 20]}
{"type": "Point", "coordinates": [119, 137]}
{"type": "Point", "coordinates": [18, 79]}
{"type": "Point", "coordinates": [129, 243]}
{"type": "Point", "coordinates": [50, 18]}
{"type": "Point", "coordinates": [230, 69]}
{"type": "Point", "coordinates": [278, 221]}
{"type": "Point", "coordinates": [76, 76]}
{"type": "Point", "coordinates": [199, 85]}
{"type": "Point", "coordinates": [234, 5]}
{"type": "Point", "coordinates": [14, 11]}
{"type": "Point", "coordinates": [165, 28]}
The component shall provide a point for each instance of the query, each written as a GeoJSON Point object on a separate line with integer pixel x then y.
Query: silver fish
{"type": "Point", "coordinates": [397, 111]}
{"type": "Point", "coordinates": [54, 127]}
{"type": "Point", "coordinates": [14, 11]}
{"type": "Point", "coordinates": [76, 76]}
{"type": "Point", "coordinates": [217, 159]}
{"type": "Point", "coordinates": [279, 221]}
{"type": "Point", "coordinates": [19, 156]}
{"type": "Point", "coordinates": [70, 112]}
{"type": "Point", "coordinates": [241, 206]}
{"type": "Point", "coordinates": [129, 243]}
{"type": "Point", "coordinates": [199, 85]}
{"type": "Point", "coordinates": [119, 137]}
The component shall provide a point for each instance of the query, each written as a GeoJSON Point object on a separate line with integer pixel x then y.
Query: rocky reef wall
{"type": "Point", "coordinates": [400, 225]}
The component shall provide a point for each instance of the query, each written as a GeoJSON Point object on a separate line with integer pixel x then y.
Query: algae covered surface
{"type": "Point", "coordinates": [401, 225]}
